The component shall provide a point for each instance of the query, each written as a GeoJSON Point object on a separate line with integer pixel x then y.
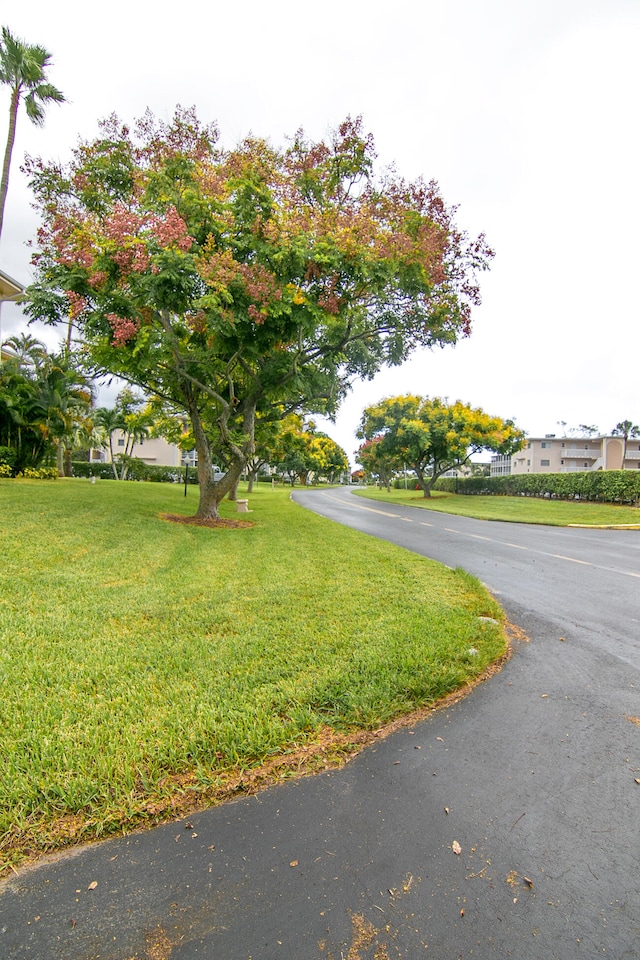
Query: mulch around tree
{"type": "Point", "coordinates": [221, 523]}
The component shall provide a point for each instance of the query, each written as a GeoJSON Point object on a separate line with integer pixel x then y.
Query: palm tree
{"type": "Point", "coordinates": [110, 419]}
{"type": "Point", "coordinates": [28, 351]}
{"type": "Point", "coordinates": [22, 69]}
{"type": "Point", "coordinates": [625, 429]}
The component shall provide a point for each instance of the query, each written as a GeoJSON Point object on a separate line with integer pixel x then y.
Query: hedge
{"type": "Point", "coordinates": [138, 470]}
{"type": "Point", "coordinates": [604, 486]}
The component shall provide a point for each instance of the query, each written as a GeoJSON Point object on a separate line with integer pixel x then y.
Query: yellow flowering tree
{"type": "Point", "coordinates": [432, 436]}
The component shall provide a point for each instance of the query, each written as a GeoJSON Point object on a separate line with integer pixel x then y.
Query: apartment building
{"type": "Point", "coordinates": [551, 454]}
{"type": "Point", "coordinates": [153, 450]}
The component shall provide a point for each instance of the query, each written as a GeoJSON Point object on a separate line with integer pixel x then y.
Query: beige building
{"type": "Point", "coordinates": [155, 451]}
{"type": "Point", "coordinates": [553, 454]}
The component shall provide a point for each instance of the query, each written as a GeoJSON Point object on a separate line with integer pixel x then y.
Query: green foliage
{"type": "Point", "coordinates": [245, 285]}
{"type": "Point", "coordinates": [603, 486]}
{"type": "Point", "coordinates": [23, 69]}
{"type": "Point", "coordinates": [429, 435]}
{"type": "Point", "coordinates": [43, 398]}
{"type": "Point", "coordinates": [154, 473]}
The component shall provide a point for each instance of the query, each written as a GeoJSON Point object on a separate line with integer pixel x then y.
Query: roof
{"type": "Point", "coordinates": [10, 289]}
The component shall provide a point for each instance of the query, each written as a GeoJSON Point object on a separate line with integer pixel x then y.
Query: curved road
{"type": "Point", "coordinates": [585, 579]}
{"type": "Point", "coordinates": [535, 775]}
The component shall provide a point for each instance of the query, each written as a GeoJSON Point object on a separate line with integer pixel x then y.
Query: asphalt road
{"type": "Point", "coordinates": [581, 578]}
{"type": "Point", "coordinates": [534, 775]}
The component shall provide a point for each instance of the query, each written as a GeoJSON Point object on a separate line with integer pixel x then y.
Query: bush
{"type": "Point", "coordinates": [39, 473]}
{"type": "Point", "coordinates": [138, 470]}
{"type": "Point", "coordinates": [602, 486]}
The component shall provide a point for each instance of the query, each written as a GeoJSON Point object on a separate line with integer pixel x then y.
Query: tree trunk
{"type": "Point", "coordinates": [60, 458]}
{"type": "Point", "coordinates": [11, 136]}
{"type": "Point", "coordinates": [211, 491]}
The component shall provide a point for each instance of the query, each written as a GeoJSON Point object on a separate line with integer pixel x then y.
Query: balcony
{"type": "Point", "coordinates": [575, 453]}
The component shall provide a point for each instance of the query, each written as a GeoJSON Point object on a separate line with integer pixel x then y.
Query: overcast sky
{"type": "Point", "coordinates": [525, 112]}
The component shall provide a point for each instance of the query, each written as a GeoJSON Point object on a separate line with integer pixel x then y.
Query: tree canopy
{"type": "Point", "coordinates": [431, 435]}
{"type": "Point", "coordinates": [245, 283]}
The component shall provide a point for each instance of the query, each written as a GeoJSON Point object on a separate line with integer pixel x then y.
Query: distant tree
{"type": "Point", "coordinates": [377, 462]}
{"type": "Point", "coordinates": [327, 459]}
{"type": "Point", "coordinates": [588, 430]}
{"type": "Point", "coordinates": [23, 69]}
{"type": "Point", "coordinates": [247, 283]}
{"type": "Point", "coordinates": [434, 436]}
{"type": "Point", "coordinates": [625, 429]}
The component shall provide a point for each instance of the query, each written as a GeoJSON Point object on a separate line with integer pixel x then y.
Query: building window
{"type": "Point", "coordinates": [563, 443]}
{"type": "Point", "coordinates": [121, 442]}
{"type": "Point", "coordinates": [562, 462]}
{"type": "Point", "coordinates": [586, 464]}
{"type": "Point", "coordinates": [544, 463]}
{"type": "Point", "coordinates": [545, 445]}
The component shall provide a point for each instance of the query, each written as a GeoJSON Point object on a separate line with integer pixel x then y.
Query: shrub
{"type": "Point", "coordinates": [603, 486]}
{"type": "Point", "coordinates": [39, 473]}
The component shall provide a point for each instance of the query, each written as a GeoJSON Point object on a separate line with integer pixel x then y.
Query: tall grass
{"type": "Point", "coordinates": [142, 661]}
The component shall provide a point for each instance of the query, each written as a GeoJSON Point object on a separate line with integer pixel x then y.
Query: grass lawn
{"type": "Point", "coordinates": [559, 513]}
{"type": "Point", "coordinates": [149, 667]}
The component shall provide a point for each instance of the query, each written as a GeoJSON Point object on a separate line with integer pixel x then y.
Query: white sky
{"type": "Point", "coordinates": [525, 111]}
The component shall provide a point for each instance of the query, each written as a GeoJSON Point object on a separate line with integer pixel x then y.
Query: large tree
{"type": "Point", "coordinates": [246, 283]}
{"type": "Point", "coordinates": [433, 436]}
{"type": "Point", "coordinates": [23, 69]}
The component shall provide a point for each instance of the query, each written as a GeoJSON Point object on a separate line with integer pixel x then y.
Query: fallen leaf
{"type": "Point", "coordinates": [544, 696]}
{"type": "Point", "coordinates": [462, 913]}
{"type": "Point", "coordinates": [528, 882]}
{"type": "Point", "coordinates": [294, 863]}
{"type": "Point", "coordinates": [92, 885]}
{"type": "Point", "coordinates": [188, 826]}
{"type": "Point", "coordinates": [457, 849]}
{"type": "Point", "coordinates": [440, 739]}
{"type": "Point", "coordinates": [560, 638]}
{"type": "Point", "coordinates": [637, 779]}
{"type": "Point", "coordinates": [446, 810]}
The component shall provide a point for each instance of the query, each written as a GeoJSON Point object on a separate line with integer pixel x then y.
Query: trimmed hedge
{"type": "Point", "coordinates": [138, 470]}
{"type": "Point", "coordinates": [603, 486]}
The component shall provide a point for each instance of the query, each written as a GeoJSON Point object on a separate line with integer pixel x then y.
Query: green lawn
{"type": "Point", "coordinates": [147, 666]}
{"type": "Point", "coordinates": [558, 513]}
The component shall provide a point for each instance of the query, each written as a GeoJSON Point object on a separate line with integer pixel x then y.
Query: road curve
{"type": "Point", "coordinates": [586, 579]}
{"type": "Point", "coordinates": [504, 826]}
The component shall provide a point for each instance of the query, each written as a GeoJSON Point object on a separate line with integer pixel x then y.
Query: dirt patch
{"type": "Point", "coordinates": [221, 523]}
